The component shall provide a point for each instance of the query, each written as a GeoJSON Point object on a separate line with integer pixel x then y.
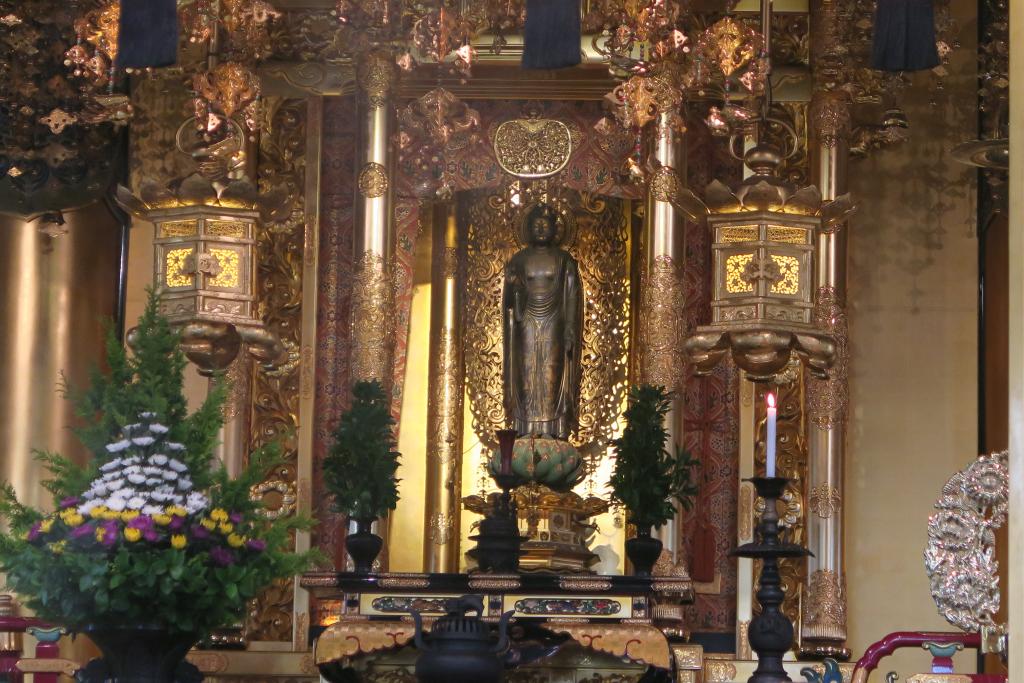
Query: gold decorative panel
{"type": "Point", "coordinates": [740, 233]}
{"type": "Point", "coordinates": [176, 273]}
{"type": "Point", "coordinates": [229, 275]}
{"type": "Point", "coordinates": [179, 229]}
{"type": "Point", "coordinates": [735, 268]}
{"type": "Point", "coordinates": [599, 243]}
{"type": "Point", "coordinates": [226, 228]}
{"type": "Point", "coordinates": [781, 233]}
{"type": "Point", "coordinates": [789, 275]}
{"type": "Point", "coordinates": [533, 148]}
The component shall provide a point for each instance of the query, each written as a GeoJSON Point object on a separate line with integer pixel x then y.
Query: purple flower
{"type": "Point", "coordinates": [70, 501]}
{"type": "Point", "coordinates": [177, 524]}
{"type": "Point", "coordinates": [256, 544]}
{"type": "Point", "coordinates": [151, 535]}
{"type": "Point", "coordinates": [142, 523]}
{"type": "Point", "coordinates": [108, 537]}
{"type": "Point", "coordinates": [222, 556]}
{"type": "Point", "coordinates": [81, 532]}
{"type": "Point", "coordinates": [236, 517]}
{"type": "Point", "coordinates": [200, 532]}
{"type": "Point", "coordinates": [33, 533]}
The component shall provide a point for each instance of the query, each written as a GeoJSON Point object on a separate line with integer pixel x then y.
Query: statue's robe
{"type": "Point", "coordinates": [542, 308]}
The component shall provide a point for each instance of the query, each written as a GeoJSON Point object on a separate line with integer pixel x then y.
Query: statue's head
{"type": "Point", "coordinates": [541, 225]}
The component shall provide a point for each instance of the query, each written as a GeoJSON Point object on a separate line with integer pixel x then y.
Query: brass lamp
{"type": "Point", "coordinates": [765, 237]}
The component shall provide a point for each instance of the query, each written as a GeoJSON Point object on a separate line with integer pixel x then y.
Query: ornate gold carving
{"type": "Point", "coordinates": [177, 272]}
{"type": "Point", "coordinates": [688, 656]}
{"type": "Point", "coordinates": [825, 500]}
{"type": "Point", "coordinates": [440, 531]}
{"type": "Point", "coordinates": [584, 585]}
{"type": "Point", "coordinates": [275, 393]}
{"type": "Point", "coordinates": [346, 639]}
{"type": "Point", "coordinates": [371, 318]}
{"type": "Point", "coordinates": [373, 180]}
{"type": "Point", "coordinates": [828, 400]}
{"type": "Point", "coordinates": [376, 75]}
{"type": "Point", "coordinates": [532, 148]}
{"type": "Point", "coordinates": [599, 246]}
{"type": "Point", "coordinates": [825, 607]}
{"type": "Point", "coordinates": [745, 513]}
{"type": "Point", "coordinates": [641, 643]}
{"type": "Point", "coordinates": [277, 496]}
{"type": "Point", "coordinates": [404, 581]}
{"type": "Point", "coordinates": [661, 324]}
{"type": "Point", "coordinates": [495, 582]}
{"type": "Point", "coordinates": [719, 671]}
{"type": "Point", "coordinates": [208, 662]}
{"type": "Point", "coordinates": [223, 228]}
{"type": "Point", "coordinates": [179, 228]}
{"type": "Point", "coordinates": [228, 274]}
{"type": "Point", "coordinates": [686, 676]}
{"type": "Point", "coordinates": [743, 649]}
{"type": "Point", "coordinates": [939, 678]}
{"type": "Point", "coordinates": [830, 117]}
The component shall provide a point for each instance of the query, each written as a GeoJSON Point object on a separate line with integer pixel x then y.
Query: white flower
{"type": "Point", "coordinates": [134, 460]}
{"type": "Point", "coordinates": [111, 465]}
{"type": "Point", "coordinates": [136, 503]}
{"type": "Point", "coordinates": [137, 478]}
{"type": "Point", "coordinates": [132, 427]}
{"type": "Point", "coordinates": [118, 446]}
{"type": "Point", "coordinates": [98, 489]}
{"type": "Point", "coordinates": [159, 496]}
{"type": "Point", "coordinates": [158, 428]}
{"type": "Point", "coordinates": [159, 459]}
{"type": "Point", "coordinates": [170, 475]}
{"type": "Point", "coordinates": [89, 506]}
{"type": "Point", "coordinates": [177, 465]}
{"type": "Point", "coordinates": [153, 482]}
{"type": "Point", "coordinates": [195, 502]}
{"type": "Point", "coordinates": [143, 440]}
{"type": "Point", "coordinates": [116, 503]}
{"type": "Point", "coordinates": [174, 446]}
{"type": "Point", "coordinates": [185, 484]}
{"type": "Point", "coordinates": [148, 415]}
{"type": "Point", "coordinates": [152, 510]}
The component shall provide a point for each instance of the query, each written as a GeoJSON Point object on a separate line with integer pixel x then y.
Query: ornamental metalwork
{"type": "Point", "coordinates": [960, 557]}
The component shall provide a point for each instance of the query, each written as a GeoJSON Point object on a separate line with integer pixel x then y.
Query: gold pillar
{"type": "Point", "coordinates": [444, 402]}
{"type": "Point", "coordinates": [661, 297]}
{"type": "Point", "coordinates": [823, 624]}
{"type": "Point", "coordinates": [233, 440]}
{"type": "Point", "coordinates": [58, 292]}
{"type": "Point", "coordinates": [372, 298]}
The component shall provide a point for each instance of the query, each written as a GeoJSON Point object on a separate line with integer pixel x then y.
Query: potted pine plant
{"type": "Point", "coordinates": [152, 544]}
{"type": "Point", "coordinates": [647, 478]}
{"type": "Point", "coordinates": [360, 469]}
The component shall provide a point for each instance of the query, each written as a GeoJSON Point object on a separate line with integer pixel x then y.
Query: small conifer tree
{"type": "Point", "coordinates": [360, 467]}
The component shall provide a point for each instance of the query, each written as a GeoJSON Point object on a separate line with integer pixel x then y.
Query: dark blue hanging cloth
{"type": "Point", "coordinates": [551, 38]}
{"type": "Point", "coordinates": [904, 36]}
{"type": "Point", "coordinates": [149, 33]}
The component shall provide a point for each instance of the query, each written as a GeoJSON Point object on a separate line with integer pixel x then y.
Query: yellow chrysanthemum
{"type": "Point", "coordinates": [46, 525]}
{"type": "Point", "coordinates": [58, 547]}
{"type": "Point", "coordinates": [23, 536]}
{"type": "Point", "coordinates": [209, 524]}
{"type": "Point", "coordinates": [219, 515]}
{"type": "Point", "coordinates": [225, 528]}
{"type": "Point", "coordinates": [100, 533]}
{"type": "Point", "coordinates": [178, 541]}
{"type": "Point", "coordinates": [111, 515]}
{"type": "Point", "coordinates": [131, 534]}
{"type": "Point", "coordinates": [236, 541]}
{"type": "Point", "coordinates": [98, 511]}
{"type": "Point", "coordinates": [162, 520]}
{"type": "Point", "coordinates": [129, 515]}
{"type": "Point", "coordinates": [176, 511]}
{"type": "Point", "coordinates": [72, 518]}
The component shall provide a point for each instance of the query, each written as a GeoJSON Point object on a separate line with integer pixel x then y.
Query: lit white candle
{"type": "Point", "coordinates": [770, 457]}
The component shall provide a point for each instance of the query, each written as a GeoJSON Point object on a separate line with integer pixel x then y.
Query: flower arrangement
{"type": "Point", "coordinates": [151, 531]}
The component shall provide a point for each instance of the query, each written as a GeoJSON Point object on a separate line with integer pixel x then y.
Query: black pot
{"type": "Point", "coordinates": [363, 546]}
{"type": "Point", "coordinates": [459, 648]}
{"type": "Point", "coordinates": [140, 654]}
{"type": "Point", "coordinates": [643, 551]}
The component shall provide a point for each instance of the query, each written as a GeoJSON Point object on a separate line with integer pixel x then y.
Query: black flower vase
{"type": "Point", "coordinates": [643, 550]}
{"type": "Point", "coordinates": [140, 654]}
{"type": "Point", "coordinates": [363, 546]}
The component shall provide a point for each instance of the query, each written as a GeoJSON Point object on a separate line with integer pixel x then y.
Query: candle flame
{"type": "Point", "coordinates": [771, 400]}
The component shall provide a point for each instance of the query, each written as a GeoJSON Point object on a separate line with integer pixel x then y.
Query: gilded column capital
{"type": "Point", "coordinates": [376, 74]}
{"type": "Point", "coordinates": [825, 610]}
{"type": "Point", "coordinates": [830, 117]}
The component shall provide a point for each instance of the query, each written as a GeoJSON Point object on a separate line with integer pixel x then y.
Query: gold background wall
{"type": "Point", "coordinates": [913, 323]}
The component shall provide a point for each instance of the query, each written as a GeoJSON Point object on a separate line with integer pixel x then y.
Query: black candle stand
{"type": "Point", "coordinates": [499, 543]}
{"type": "Point", "coordinates": [770, 632]}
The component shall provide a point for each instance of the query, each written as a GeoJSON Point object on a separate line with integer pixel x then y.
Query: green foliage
{"type": "Point", "coordinates": [360, 468]}
{"type": "Point", "coordinates": [149, 379]}
{"type": "Point", "coordinates": [647, 478]}
{"type": "Point", "coordinates": [188, 571]}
